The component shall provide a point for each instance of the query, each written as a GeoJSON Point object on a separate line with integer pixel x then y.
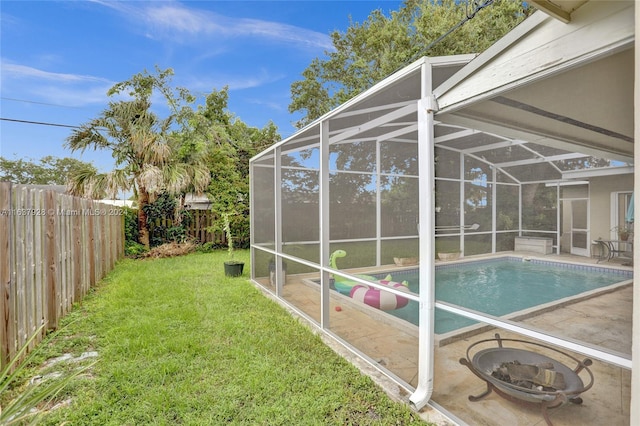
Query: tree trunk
{"type": "Point", "coordinates": [143, 232]}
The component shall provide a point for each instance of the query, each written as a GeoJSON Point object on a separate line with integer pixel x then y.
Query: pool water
{"type": "Point", "coordinates": [502, 286]}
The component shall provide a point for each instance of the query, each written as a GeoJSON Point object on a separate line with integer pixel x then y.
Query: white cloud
{"type": "Point", "coordinates": [75, 96]}
{"type": "Point", "coordinates": [181, 20]}
{"type": "Point", "coordinates": [176, 22]}
{"type": "Point", "coordinates": [17, 71]}
{"type": "Point", "coordinates": [272, 105]}
{"type": "Point", "coordinates": [235, 82]}
{"type": "Point", "coordinates": [59, 88]}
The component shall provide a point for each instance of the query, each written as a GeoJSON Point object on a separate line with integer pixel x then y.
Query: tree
{"type": "Point", "coordinates": [48, 170]}
{"type": "Point", "coordinates": [145, 147]}
{"type": "Point", "coordinates": [232, 144]}
{"type": "Point", "coordinates": [368, 52]}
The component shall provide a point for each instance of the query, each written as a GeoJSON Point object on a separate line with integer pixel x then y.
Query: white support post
{"type": "Point", "coordinates": [520, 210]}
{"type": "Point", "coordinates": [378, 207]}
{"type": "Point", "coordinates": [494, 209]}
{"type": "Point", "coordinates": [559, 218]}
{"type": "Point", "coordinates": [462, 200]}
{"type": "Point", "coordinates": [252, 223]}
{"type": "Point", "coordinates": [277, 191]}
{"type": "Point", "coordinates": [426, 109]}
{"type": "Point", "coordinates": [325, 224]}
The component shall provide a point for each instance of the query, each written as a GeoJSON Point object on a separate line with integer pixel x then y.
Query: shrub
{"type": "Point", "coordinates": [161, 221]}
{"type": "Point", "coordinates": [130, 224]}
{"type": "Point", "coordinates": [207, 247]}
{"type": "Point", "coordinates": [133, 249]}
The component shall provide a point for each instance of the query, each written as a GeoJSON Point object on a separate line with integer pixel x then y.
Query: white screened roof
{"type": "Point", "coordinates": [387, 111]}
{"type": "Point", "coordinates": [546, 100]}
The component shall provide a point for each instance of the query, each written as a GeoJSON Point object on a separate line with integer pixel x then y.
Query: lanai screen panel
{"type": "Point", "coordinates": [399, 206]}
{"type": "Point", "coordinates": [352, 190]}
{"type": "Point", "coordinates": [539, 208]}
{"type": "Point", "coordinates": [262, 198]}
{"type": "Point", "coordinates": [300, 195]}
{"type": "Point", "coordinates": [399, 198]}
{"type": "Point", "coordinates": [465, 190]}
{"type": "Point", "coordinates": [507, 215]}
{"type": "Point", "coordinates": [504, 154]}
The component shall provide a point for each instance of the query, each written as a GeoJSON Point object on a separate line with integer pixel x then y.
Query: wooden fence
{"type": "Point", "coordinates": [201, 223]}
{"type": "Point", "coordinates": [200, 228]}
{"type": "Point", "coordinates": [53, 248]}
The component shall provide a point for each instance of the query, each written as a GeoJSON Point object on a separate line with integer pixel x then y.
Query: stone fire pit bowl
{"type": "Point", "coordinates": [486, 361]}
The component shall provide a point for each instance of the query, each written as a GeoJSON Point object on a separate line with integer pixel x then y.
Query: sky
{"type": "Point", "coordinates": [59, 58]}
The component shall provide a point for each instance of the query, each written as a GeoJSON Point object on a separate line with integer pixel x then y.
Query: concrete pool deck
{"type": "Point", "coordinates": [604, 320]}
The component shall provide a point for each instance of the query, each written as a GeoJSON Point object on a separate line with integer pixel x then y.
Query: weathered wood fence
{"type": "Point", "coordinates": [200, 228]}
{"type": "Point", "coordinates": [201, 222]}
{"type": "Point", "coordinates": [53, 248]}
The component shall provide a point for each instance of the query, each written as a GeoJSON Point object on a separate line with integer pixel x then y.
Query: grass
{"type": "Point", "coordinates": [180, 343]}
{"type": "Point", "coordinates": [24, 407]}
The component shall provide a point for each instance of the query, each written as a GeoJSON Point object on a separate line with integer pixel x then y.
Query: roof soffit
{"type": "Point", "coordinates": [559, 9]}
{"type": "Point", "coordinates": [577, 95]}
{"type": "Point", "coordinates": [540, 46]}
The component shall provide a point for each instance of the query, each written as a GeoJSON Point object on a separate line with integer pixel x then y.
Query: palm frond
{"type": "Point", "coordinates": [86, 183]}
{"type": "Point", "coordinates": [151, 178]}
{"type": "Point", "coordinates": [139, 142]}
{"type": "Point", "coordinates": [201, 178]}
{"type": "Point", "coordinates": [87, 136]}
{"type": "Point", "coordinates": [160, 152]}
{"type": "Point", "coordinates": [175, 178]}
{"type": "Point", "coordinates": [96, 187]}
{"type": "Point", "coordinates": [117, 180]}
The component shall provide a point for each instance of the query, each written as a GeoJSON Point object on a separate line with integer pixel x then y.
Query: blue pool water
{"type": "Point", "coordinates": [502, 286]}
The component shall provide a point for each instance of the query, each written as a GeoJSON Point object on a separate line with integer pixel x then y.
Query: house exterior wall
{"type": "Point", "coordinates": [600, 202]}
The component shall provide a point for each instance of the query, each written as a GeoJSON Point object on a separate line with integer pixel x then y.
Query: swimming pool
{"type": "Point", "coordinates": [503, 286]}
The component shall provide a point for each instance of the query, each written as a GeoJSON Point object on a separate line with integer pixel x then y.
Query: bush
{"type": "Point", "coordinates": [160, 221]}
{"type": "Point", "coordinates": [130, 225]}
{"type": "Point", "coordinates": [207, 247]}
{"type": "Point", "coordinates": [133, 249]}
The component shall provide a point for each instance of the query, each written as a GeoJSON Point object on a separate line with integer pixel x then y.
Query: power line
{"type": "Point", "coordinates": [477, 6]}
{"type": "Point", "coordinates": [38, 103]}
{"type": "Point", "coordinates": [41, 123]}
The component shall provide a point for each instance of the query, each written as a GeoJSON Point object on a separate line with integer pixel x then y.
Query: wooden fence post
{"type": "Point", "coordinates": [29, 268]}
{"type": "Point", "coordinates": [6, 271]}
{"type": "Point", "coordinates": [91, 248]}
{"type": "Point", "coordinates": [19, 262]}
{"type": "Point", "coordinates": [51, 264]}
{"type": "Point", "coordinates": [76, 249]}
{"type": "Point", "coordinates": [38, 250]}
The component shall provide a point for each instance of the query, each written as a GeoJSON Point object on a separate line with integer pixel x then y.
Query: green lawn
{"type": "Point", "coordinates": [180, 343]}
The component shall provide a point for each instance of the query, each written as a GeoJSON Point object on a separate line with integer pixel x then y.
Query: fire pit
{"type": "Point", "coordinates": [537, 379]}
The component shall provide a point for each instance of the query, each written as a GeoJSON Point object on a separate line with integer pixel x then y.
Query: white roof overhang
{"type": "Point", "coordinates": [559, 9]}
{"type": "Point", "coordinates": [567, 86]}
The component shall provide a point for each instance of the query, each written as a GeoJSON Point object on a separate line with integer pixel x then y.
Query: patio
{"type": "Point", "coordinates": [392, 344]}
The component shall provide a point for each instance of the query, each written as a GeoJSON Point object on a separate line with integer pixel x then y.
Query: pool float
{"type": "Point", "coordinates": [341, 284]}
{"type": "Point", "coordinates": [379, 299]}
{"type": "Point", "coordinates": [371, 296]}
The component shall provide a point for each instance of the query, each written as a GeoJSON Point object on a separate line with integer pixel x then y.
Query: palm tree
{"type": "Point", "coordinates": [144, 150]}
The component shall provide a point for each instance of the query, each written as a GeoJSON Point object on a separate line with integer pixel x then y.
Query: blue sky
{"type": "Point", "coordinates": [59, 58]}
